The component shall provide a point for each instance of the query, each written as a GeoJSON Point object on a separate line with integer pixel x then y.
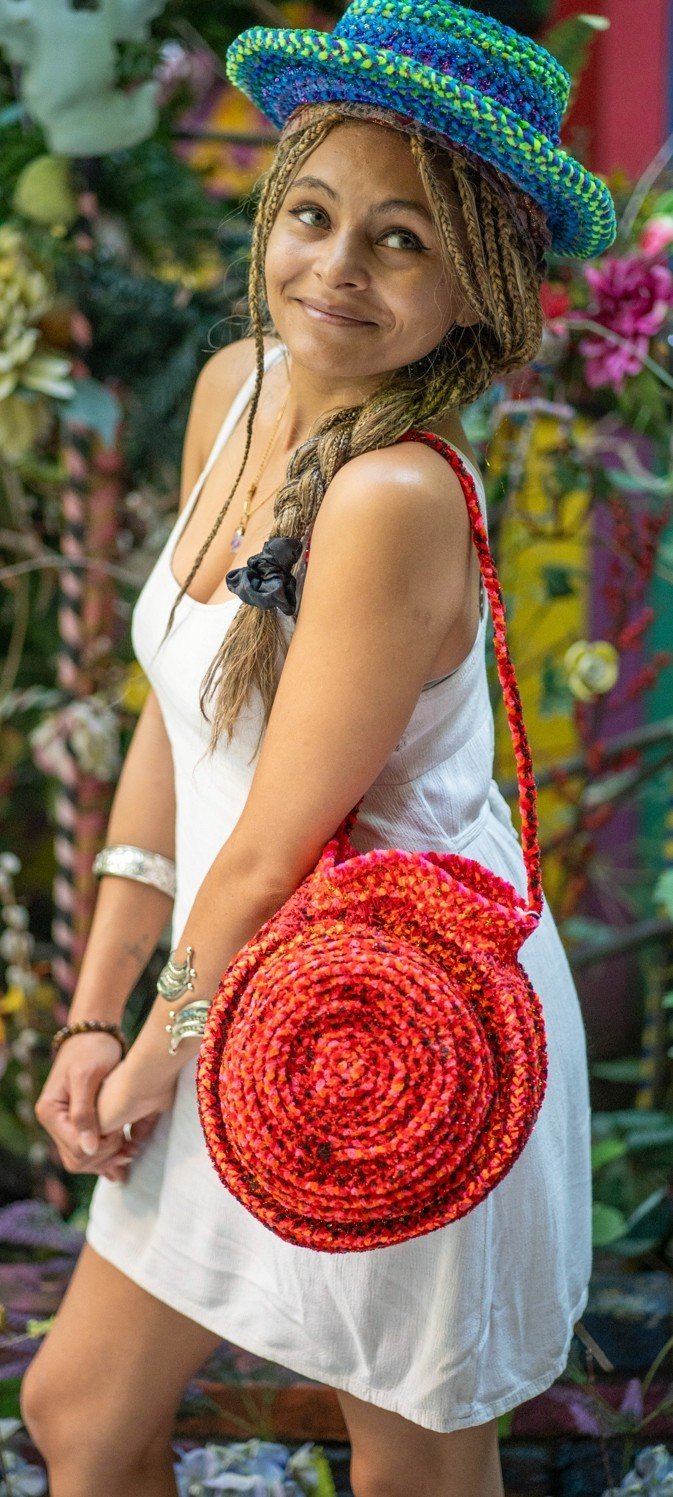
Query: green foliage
{"type": "Point", "coordinates": [559, 582]}
{"type": "Point", "coordinates": [20, 143]}
{"type": "Point", "coordinates": [168, 335]}
{"type": "Point", "coordinates": [218, 24]}
{"type": "Point", "coordinates": [528, 16]}
{"type": "Point", "coordinates": [572, 40]}
{"type": "Point", "coordinates": [10, 1389]}
{"type": "Point", "coordinates": [632, 1162]}
{"type": "Point", "coordinates": [608, 1224]}
{"type": "Point", "coordinates": [160, 200]}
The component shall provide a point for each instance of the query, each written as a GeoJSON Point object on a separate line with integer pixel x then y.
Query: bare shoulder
{"type": "Point", "coordinates": [402, 506]}
{"type": "Point", "coordinates": [229, 366]}
{"type": "Point", "coordinates": [217, 384]}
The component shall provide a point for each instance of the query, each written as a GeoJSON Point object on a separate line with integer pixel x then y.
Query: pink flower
{"type": "Point", "coordinates": [657, 234]}
{"type": "Point", "coordinates": [632, 297]}
{"type": "Point", "coordinates": [177, 66]}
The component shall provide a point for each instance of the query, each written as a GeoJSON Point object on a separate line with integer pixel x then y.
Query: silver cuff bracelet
{"type": "Point", "coordinates": [136, 863]}
{"type": "Point", "coordinates": [176, 977]}
{"type": "Point", "coordinates": [188, 1022]}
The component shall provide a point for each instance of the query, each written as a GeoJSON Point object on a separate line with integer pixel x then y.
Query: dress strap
{"type": "Point", "coordinates": [233, 415]}
{"type": "Point", "coordinates": [237, 408]}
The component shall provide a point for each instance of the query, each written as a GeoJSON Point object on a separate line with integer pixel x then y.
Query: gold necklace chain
{"type": "Point", "coordinates": [248, 510]}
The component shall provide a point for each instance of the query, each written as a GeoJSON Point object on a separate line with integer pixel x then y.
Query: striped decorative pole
{"type": "Point", "coordinates": [77, 447]}
{"type": "Point", "coordinates": [99, 629]}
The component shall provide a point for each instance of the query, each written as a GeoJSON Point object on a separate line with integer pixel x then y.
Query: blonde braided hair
{"type": "Point", "coordinates": [500, 278]}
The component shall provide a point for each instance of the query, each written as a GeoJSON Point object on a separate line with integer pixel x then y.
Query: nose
{"type": "Point", "coordinates": [340, 261]}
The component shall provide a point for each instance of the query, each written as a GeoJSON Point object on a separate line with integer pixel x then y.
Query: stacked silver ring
{"type": "Point", "coordinates": [188, 1022]}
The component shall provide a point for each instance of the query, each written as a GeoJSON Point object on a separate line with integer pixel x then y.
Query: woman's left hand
{"type": "Point", "coordinates": [125, 1098]}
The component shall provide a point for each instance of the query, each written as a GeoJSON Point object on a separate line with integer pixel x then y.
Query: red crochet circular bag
{"type": "Point", "coordinates": [375, 1058]}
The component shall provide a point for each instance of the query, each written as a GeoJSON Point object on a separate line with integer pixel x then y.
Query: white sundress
{"type": "Point", "coordinates": [449, 1329]}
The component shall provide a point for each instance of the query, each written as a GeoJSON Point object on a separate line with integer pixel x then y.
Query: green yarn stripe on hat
{"type": "Point", "coordinates": [477, 82]}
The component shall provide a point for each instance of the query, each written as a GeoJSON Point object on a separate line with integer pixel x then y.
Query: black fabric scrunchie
{"type": "Point", "coordinates": [266, 580]}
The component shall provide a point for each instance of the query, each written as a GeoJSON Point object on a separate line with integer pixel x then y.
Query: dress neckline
{"type": "Point", "coordinates": [236, 409]}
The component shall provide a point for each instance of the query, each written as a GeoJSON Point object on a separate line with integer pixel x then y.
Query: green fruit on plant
{"type": "Point", "coordinates": [45, 194]}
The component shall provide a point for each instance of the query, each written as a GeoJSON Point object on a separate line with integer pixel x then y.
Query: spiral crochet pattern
{"type": "Point", "coordinates": [375, 1057]}
{"type": "Point", "coordinates": [479, 83]}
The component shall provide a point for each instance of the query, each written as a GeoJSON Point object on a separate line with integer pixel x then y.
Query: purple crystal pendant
{"type": "Point", "coordinates": [236, 539]}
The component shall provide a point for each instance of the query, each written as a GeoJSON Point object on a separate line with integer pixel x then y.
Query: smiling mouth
{"type": "Point", "coordinates": [335, 317]}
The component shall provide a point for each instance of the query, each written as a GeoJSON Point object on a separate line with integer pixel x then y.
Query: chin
{"type": "Point", "coordinates": [329, 350]}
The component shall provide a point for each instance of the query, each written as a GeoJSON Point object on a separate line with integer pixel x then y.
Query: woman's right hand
{"type": "Point", "coordinates": [66, 1108]}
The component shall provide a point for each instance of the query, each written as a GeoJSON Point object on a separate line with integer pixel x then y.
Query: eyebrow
{"type": "Point", "coordinates": [308, 181]}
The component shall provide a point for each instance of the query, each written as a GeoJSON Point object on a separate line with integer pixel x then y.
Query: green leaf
{"type": "Point", "coordinates": [558, 582]}
{"type": "Point", "coordinates": [9, 1398]}
{"type": "Point", "coordinates": [13, 1135]}
{"type": "Point", "coordinates": [605, 1150]}
{"type": "Point", "coordinates": [663, 892]}
{"type": "Point", "coordinates": [667, 1000]}
{"type": "Point", "coordinates": [555, 695]}
{"type": "Point", "coordinates": [95, 406]}
{"type": "Point", "coordinates": [10, 115]}
{"type": "Point", "coordinates": [584, 928]}
{"type": "Point", "coordinates": [642, 1138]}
{"type": "Point", "coordinates": [631, 483]}
{"type": "Point", "coordinates": [571, 42]}
{"type": "Point", "coordinates": [647, 1226]}
{"type": "Point", "coordinates": [628, 1068]}
{"type": "Point", "coordinates": [640, 1118]}
{"type": "Point", "coordinates": [325, 1487]}
{"type": "Point", "coordinates": [647, 1207]}
{"type": "Point", "coordinates": [608, 1224]}
{"type": "Point", "coordinates": [505, 1422]}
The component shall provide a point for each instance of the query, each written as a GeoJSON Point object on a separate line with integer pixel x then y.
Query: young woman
{"type": "Point", "coordinates": [397, 254]}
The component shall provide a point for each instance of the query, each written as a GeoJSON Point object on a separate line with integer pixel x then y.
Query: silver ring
{"type": "Point", "coordinates": [127, 1131]}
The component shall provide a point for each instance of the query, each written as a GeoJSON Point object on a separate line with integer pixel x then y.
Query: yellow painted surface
{"type": "Point", "coordinates": [543, 548]}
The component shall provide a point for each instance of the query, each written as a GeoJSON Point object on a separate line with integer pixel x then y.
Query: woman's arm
{"type": "Point", "coordinates": [389, 575]}
{"type": "Point", "coordinates": [128, 917]}
{"type": "Point", "coordinates": [128, 920]}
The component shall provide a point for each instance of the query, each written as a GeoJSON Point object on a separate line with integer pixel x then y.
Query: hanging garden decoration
{"type": "Point", "coordinates": [67, 53]}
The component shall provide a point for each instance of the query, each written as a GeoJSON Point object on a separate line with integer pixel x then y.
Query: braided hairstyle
{"type": "Point", "coordinates": [500, 277]}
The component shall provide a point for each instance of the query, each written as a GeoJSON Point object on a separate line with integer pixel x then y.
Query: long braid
{"type": "Point", "coordinates": [497, 276]}
{"type": "Point", "coordinates": [273, 184]}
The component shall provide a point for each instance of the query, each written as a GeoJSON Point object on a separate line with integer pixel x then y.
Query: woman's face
{"type": "Point", "coordinates": [339, 242]}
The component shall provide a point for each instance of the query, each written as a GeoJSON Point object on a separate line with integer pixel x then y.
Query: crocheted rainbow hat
{"type": "Point", "coordinates": [479, 83]}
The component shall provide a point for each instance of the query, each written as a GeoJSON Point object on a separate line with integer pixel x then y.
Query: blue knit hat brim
{"type": "Point", "coordinates": [280, 69]}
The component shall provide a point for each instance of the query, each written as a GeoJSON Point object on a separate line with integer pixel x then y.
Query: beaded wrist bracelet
{"type": "Point", "coordinates": [85, 1026]}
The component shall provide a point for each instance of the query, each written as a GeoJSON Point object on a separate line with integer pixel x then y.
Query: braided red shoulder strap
{"type": "Point", "coordinates": [506, 673]}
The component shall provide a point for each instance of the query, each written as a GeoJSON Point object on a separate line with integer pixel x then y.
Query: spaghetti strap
{"type": "Point", "coordinates": [236, 409]}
